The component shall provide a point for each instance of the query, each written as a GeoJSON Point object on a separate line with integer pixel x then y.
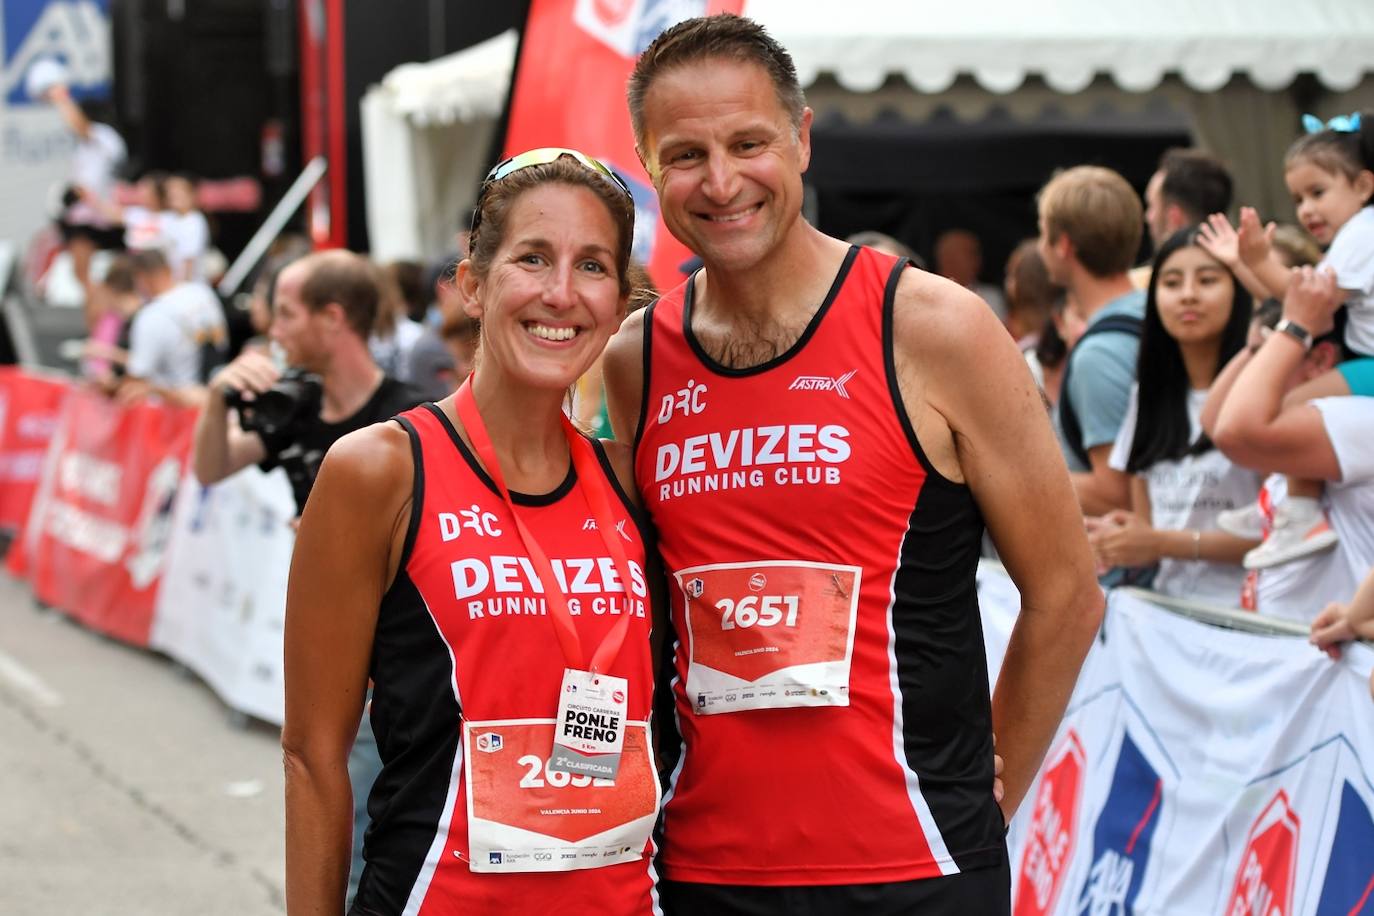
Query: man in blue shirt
{"type": "Point", "coordinates": [1090, 228]}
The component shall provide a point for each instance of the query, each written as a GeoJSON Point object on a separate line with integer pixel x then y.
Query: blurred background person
{"type": "Point", "coordinates": [176, 337]}
{"type": "Point", "coordinates": [1030, 295]}
{"type": "Point", "coordinates": [1090, 228]}
{"type": "Point", "coordinates": [186, 229]}
{"type": "Point", "coordinates": [959, 256]}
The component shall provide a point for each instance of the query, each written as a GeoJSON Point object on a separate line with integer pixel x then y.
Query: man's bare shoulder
{"type": "Point", "coordinates": [626, 348]}
{"type": "Point", "coordinates": [933, 317]}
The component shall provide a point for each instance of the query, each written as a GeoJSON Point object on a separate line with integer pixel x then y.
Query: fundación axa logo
{"type": "Point", "coordinates": [823, 383]}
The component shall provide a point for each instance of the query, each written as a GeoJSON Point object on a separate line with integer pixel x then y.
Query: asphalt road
{"type": "Point", "coordinates": [126, 787]}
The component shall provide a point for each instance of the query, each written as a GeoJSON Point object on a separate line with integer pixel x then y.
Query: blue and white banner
{"type": "Point", "coordinates": [35, 146]}
{"type": "Point", "coordinates": [1199, 770]}
{"type": "Point", "coordinates": [222, 604]}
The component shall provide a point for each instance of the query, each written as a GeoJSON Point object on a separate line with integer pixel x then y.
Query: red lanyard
{"type": "Point", "coordinates": [590, 480]}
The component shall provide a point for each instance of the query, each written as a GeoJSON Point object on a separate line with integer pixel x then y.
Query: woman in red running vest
{"type": "Point", "coordinates": [481, 562]}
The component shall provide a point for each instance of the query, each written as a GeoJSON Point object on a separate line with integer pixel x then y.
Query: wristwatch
{"type": "Point", "coordinates": [1295, 331]}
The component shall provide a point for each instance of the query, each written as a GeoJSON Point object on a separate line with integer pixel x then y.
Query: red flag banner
{"type": "Point", "coordinates": [29, 406]}
{"type": "Point", "coordinates": [570, 91]}
{"type": "Point", "coordinates": [98, 529]}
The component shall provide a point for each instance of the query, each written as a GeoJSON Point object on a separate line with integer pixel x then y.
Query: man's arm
{"type": "Point", "coordinates": [1101, 393]}
{"type": "Point", "coordinates": [988, 428]}
{"type": "Point", "coordinates": [623, 376]}
{"type": "Point", "coordinates": [1253, 428]}
{"type": "Point", "coordinates": [71, 113]}
{"type": "Point", "coordinates": [221, 448]}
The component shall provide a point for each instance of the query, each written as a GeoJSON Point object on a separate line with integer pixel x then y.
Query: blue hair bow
{"type": "Point", "coordinates": [1343, 124]}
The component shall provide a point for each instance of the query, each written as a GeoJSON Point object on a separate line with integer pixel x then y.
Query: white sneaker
{"type": "Point", "coordinates": [1300, 530]}
{"type": "Point", "coordinates": [1246, 522]}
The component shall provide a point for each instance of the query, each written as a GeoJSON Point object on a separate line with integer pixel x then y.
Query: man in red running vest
{"type": "Point", "coordinates": [821, 434]}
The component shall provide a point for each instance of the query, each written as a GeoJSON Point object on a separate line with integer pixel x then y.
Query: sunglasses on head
{"type": "Point", "coordinates": [543, 156]}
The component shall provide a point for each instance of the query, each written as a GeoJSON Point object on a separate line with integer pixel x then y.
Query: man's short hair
{"type": "Point", "coordinates": [1099, 212]}
{"type": "Point", "coordinates": [724, 35]}
{"type": "Point", "coordinates": [349, 279]}
{"type": "Point", "coordinates": [1195, 182]}
{"type": "Point", "coordinates": [148, 261]}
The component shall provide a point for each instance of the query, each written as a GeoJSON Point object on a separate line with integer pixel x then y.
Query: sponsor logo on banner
{"type": "Point", "coordinates": [1053, 830]}
{"type": "Point", "coordinates": [1348, 888]}
{"type": "Point", "coordinates": [1264, 878]}
{"type": "Point", "coordinates": [489, 742]}
{"type": "Point", "coordinates": [74, 32]}
{"type": "Point", "coordinates": [628, 26]}
{"type": "Point", "coordinates": [1123, 837]}
{"type": "Point", "coordinates": [153, 530]}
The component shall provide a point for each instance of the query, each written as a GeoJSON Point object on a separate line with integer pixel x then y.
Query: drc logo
{"type": "Point", "coordinates": [1264, 878]}
{"type": "Point", "coordinates": [1121, 841]}
{"type": "Point", "coordinates": [1349, 886]}
{"type": "Point", "coordinates": [74, 32]}
{"type": "Point", "coordinates": [1053, 829]}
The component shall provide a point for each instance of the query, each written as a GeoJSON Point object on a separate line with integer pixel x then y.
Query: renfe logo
{"type": "Point", "coordinates": [1348, 889]}
{"type": "Point", "coordinates": [1122, 838]}
{"type": "Point", "coordinates": [1264, 878]}
{"type": "Point", "coordinates": [1053, 830]}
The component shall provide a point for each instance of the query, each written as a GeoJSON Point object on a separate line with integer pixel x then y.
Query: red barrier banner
{"type": "Point", "coordinates": [29, 405]}
{"type": "Point", "coordinates": [98, 530]}
{"type": "Point", "coordinates": [569, 90]}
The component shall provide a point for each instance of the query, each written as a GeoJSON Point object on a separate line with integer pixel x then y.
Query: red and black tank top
{"type": "Point", "coordinates": [830, 682]}
{"type": "Point", "coordinates": [467, 673]}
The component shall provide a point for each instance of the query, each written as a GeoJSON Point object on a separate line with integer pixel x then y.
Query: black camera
{"type": "Point", "coordinates": [294, 398]}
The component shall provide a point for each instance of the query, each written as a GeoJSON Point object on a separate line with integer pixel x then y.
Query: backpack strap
{"type": "Point", "coordinates": [1068, 417]}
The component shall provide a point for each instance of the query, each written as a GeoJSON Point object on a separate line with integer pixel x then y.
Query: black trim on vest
{"type": "Point", "coordinates": [520, 499]}
{"type": "Point", "coordinates": [637, 515]}
{"type": "Point", "coordinates": [648, 363]}
{"type": "Point", "coordinates": [406, 803]}
{"type": "Point", "coordinates": [942, 676]}
{"type": "Point", "coordinates": [1068, 417]}
{"type": "Point", "coordinates": [890, 370]}
{"type": "Point", "coordinates": [690, 296]}
{"type": "Point", "coordinates": [417, 491]}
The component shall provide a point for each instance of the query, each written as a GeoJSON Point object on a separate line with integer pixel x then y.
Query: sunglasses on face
{"type": "Point", "coordinates": [543, 156]}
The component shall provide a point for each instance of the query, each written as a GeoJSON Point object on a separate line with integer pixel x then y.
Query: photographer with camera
{"type": "Point", "coordinates": [324, 308]}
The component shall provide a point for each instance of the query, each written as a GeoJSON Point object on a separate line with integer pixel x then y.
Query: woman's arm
{"type": "Point", "coordinates": [1128, 538]}
{"type": "Point", "coordinates": [1253, 429]}
{"type": "Point", "coordinates": [346, 554]}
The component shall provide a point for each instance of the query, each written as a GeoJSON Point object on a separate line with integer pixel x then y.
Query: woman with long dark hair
{"type": "Point", "coordinates": [1196, 318]}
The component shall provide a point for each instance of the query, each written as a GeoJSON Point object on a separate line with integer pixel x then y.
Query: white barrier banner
{"type": "Point", "coordinates": [1199, 770]}
{"type": "Point", "coordinates": [222, 602]}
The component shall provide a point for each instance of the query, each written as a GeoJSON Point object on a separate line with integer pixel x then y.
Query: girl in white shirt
{"type": "Point", "coordinates": [1330, 173]}
{"type": "Point", "coordinates": [1196, 318]}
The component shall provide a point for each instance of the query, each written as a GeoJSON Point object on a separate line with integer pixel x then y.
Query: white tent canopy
{"type": "Point", "coordinates": [1069, 42]}
{"type": "Point", "coordinates": [427, 131]}
{"type": "Point", "coordinates": [427, 128]}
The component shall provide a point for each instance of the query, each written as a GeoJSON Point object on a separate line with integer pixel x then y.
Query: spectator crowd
{"type": "Point", "coordinates": [1215, 407]}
